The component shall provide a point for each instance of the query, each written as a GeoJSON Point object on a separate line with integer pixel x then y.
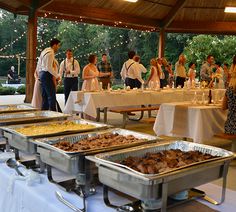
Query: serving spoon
{"type": "Point", "coordinates": [12, 163]}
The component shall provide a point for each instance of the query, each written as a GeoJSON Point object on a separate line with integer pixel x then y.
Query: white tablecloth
{"type": "Point", "coordinates": [88, 102]}
{"type": "Point", "coordinates": [42, 198]}
{"type": "Point", "coordinates": [198, 122]}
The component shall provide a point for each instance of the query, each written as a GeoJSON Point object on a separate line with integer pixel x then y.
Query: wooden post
{"type": "Point", "coordinates": [161, 49]}
{"type": "Point", "coordinates": [31, 55]}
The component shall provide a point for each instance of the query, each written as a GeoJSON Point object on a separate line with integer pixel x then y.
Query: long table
{"type": "Point", "coordinates": [89, 102]}
{"type": "Point", "coordinates": [184, 119]}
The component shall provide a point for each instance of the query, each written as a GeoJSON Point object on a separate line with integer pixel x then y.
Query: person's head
{"type": "Point", "coordinates": [69, 54]}
{"type": "Point", "coordinates": [104, 57]}
{"type": "Point", "coordinates": [218, 64]}
{"type": "Point", "coordinates": [153, 62]}
{"type": "Point", "coordinates": [136, 58]}
{"type": "Point", "coordinates": [232, 82]}
{"type": "Point", "coordinates": [159, 61]}
{"type": "Point", "coordinates": [131, 54]}
{"type": "Point", "coordinates": [234, 60]}
{"type": "Point", "coordinates": [12, 68]}
{"type": "Point", "coordinates": [182, 59]}
{"type": "Point", "coordinates": [92, 58]}
{"type": "Point", "coordinates": [55, 44]}
{"type": "Point", "coordinates": [210, 59]}
{"type": "Point", "coordinates": [192, 65]}
{"type": "Point", "coordinates": [164, 61]}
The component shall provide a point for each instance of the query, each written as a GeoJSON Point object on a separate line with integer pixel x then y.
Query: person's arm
{"type": "Point", "coordinates": [136, 72]}
{"type": "Point", "coordinates": [49, 63]}
{"type": "Point", "coordinates": [9, 76]}
{"type": "Point", "coordinates": [100, 74]}
{"type": "Point", "coordinates": [225, 103]}
{"type": "Point", "coordinates": [76, 70]}
{"type": "Point", "coordinates": [204, 75]}
{"type": "Point", "coordinates": [151, 74]}
{"type": "Point", "coordinates": [123, 72]}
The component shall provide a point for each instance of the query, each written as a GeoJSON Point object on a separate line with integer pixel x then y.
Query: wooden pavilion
{"type": "Point", "coordinates": [192, 16]}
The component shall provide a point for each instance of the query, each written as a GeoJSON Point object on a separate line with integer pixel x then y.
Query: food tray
{"type": "Point", "coordinates": [22, 142]}
{"type": "Point", "coordinates": [30, 117]}
{"type": "Point", "coordinates": [69, 161]}
{"type": "Point", "coordinates": [184, 146]}
{"type": "Point", "coordinates": [16, 108]}
{"type": "Point", "coordinates": [49, 142]}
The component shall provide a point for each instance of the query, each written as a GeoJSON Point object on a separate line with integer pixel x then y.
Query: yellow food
{"type": "Point", "coordinates": [53, 128]}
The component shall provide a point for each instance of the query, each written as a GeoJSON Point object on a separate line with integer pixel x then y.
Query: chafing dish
{"type": "Point", "coordinates": [16, 108]}
{"type": "Point", "coordinates": [85, 172]}
{"type": "Point", "coordinates": [153, 190]}
{"type": "Point", "coordinates": [22, 142]}
{"type": "Point", "coordinates": [19, 117]}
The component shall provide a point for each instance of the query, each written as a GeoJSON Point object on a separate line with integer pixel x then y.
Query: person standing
{"type": "Point", "coordinates": [206, 69]}
{"type": "Point", "coordinates": [105, 67]}
{"type": "Point", "coordinates": [130, 72]}
{"type": "Point", "coordinates": [180, 71]}
{"type": "Point", "coordinates": [141, 69]}
{"type": "Point", "coordinates": [48, 73]}
{"type": "Point", "coordinates": [69, 69]}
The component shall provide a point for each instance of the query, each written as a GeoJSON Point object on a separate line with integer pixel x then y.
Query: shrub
{"type": "Point", "coordinates": [115, 87]}
{"type": "Point", "coordinates": [21, 89]}
{"type": "Point", "coordinates": [7, 91]}
{"type": "Point", "coordinates": [60, 89]}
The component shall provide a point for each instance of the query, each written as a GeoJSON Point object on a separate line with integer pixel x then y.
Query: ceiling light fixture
{"type": "Point", "coordinates": [133, 1]}
{"type": "Point", "coordinates": [230, 9]}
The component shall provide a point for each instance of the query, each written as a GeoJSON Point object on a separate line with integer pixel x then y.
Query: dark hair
{"type": "Point", "coordinates": [234, 60]}
{"type": "Point", "coordinates": [68, 50]}
{"type": "Point", "coordinates": [131, 54]}
{"type": "Point", "coordinates": [54, 41]}
{"type": "Point", "coordinates": [209, 56]}
{"type": "Point", "coordinates": [218, 63]}
{"type": "Point", "coordinates": [92, 57]}
{"type": "Point", "coordinates": [226, 64]}
{"type": "Point", "coordinates": [190, 64]}
{"type": "Point", "coordinates": [104, 54]}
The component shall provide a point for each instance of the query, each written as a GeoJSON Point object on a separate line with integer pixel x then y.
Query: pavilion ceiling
{"type": "Point", "coordinates": [197, 16]}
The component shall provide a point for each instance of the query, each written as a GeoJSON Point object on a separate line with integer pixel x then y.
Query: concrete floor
{"type": "Point", "coordinates": [116, 120]}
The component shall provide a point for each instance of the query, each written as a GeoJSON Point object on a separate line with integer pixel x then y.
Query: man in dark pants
{"type": "Point", "coordinates": [69, 69]}
{"type": "Point", "coordinates": [48, 74]}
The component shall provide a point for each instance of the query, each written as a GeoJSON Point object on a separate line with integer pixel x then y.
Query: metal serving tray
{"type": "Point", "coordinates": [69, 161]}
{"type": "Point", "coordinates": [23, 143]}
{"type": "Point", "coordinates": [30, 117]}
{"type": "Point", "coordinates": [153, 187]}
{"type": "Point", "coordinates": [181, 145]}
{"type": "Point", "coordinates": [16, 108]}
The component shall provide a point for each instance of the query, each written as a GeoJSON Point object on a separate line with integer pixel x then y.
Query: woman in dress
{"type": "Point", "coordinates": [229, 102]}
{"type": "Point", "coordinates": [37, 94]}
{"type": "Point", "coordinates": [154, 78]}
{"type": "Point", "coordinates": [90, 75]}
{"type": "Point", "coordinates": [219, 74]}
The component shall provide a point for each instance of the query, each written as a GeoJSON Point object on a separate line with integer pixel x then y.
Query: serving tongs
{"type": "Point", "coordinates": [67, 203]}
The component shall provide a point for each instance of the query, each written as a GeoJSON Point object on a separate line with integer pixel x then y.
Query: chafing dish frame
{"type": "Point", "coordinates": [153, 188]}
{"type": "Point", "coordinates": [25, 107]}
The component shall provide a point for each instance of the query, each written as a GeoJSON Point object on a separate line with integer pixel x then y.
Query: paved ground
{"type": "Point", "coordinates": [116, 120]}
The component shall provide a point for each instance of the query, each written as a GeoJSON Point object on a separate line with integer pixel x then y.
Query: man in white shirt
{"type": "Point", "coordinates": [48, 73]}
{"type": "Point", "coordinates": [130, 72]}
{"type": "Point", "coordinates": [69, 69]}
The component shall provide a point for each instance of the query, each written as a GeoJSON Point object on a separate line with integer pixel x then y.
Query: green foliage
{"type": "Point", "coordinates": [116, 87]}
{"type": "Point", "coordinates": [60, 89]}
{"type": "Point", "coordinates": [21, 89]}
{"type": "Point", "coordinates": [7, 91]}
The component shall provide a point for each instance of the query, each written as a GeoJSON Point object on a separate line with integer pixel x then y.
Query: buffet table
{"type": "Point", "coordinates": [199, 122]}
{"type": "Point", "coordinates": [88, 102]}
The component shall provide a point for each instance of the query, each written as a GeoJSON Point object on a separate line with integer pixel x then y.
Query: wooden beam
{"type": "Point", "coordinates": [7, 7]}
{"type": "Point", "coordinates": [161, 46]}
{"type": "Point", "coordinates": [204, 27]}
{"type": "Point", "coordinates": [172, 13]}
{"type": "Point", "coordinates": [44, 3]}
{"type": "Point", "coordinates": [31, 53]}
{"type": "Point", "coordinates": [99, 14]}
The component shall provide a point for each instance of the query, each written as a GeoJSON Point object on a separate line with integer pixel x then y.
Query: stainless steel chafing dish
{"type": "Point", "coordinates": [23, 143]}
{"type": "Point", "coordinates": [74, 163]}
{"type": "Point", "coordinates": [16, 108]}
{"type": "Point", "coordinates": [153, 190]}
{"type": "Point", "coordinates": [19, 117]}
